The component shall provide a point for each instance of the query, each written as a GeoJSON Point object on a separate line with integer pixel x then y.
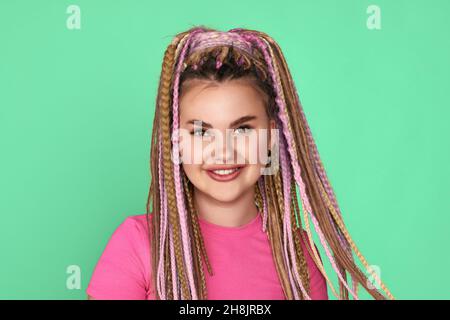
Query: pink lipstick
{"type": "Point", "coordinates": [224, 173]}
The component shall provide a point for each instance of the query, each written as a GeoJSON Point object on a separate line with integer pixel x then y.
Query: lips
{"type": "Point", "coordinates": [224, 177]}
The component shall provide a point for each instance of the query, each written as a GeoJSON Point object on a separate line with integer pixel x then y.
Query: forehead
{"type": "Point", "coordinates": [230, 99]}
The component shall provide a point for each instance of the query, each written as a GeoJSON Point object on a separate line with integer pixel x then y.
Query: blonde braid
{"type": "Point", "coordinates": [274, 232]}
{"type": "Point", "coordinates": [312, 251]}
{"type": "Point", "coordinates": [164, 104]}
{"type": "Point", "coordinates": [352, 243]}
{"type": "Point", "coordinates": [329, 229]}
{"type": "Point", "coordinates": [279, 197]}
{"type": "Point", "coordinates": [303, 266]}
{"type": "Point", "coordinates": [199, 244]}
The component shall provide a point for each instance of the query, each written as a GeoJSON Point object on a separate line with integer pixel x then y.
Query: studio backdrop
{"type": "Point", "coordinates": [78, 83]}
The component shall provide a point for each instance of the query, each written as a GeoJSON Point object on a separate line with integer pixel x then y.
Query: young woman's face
{"type": "Point", "coordinates": [212, 137]}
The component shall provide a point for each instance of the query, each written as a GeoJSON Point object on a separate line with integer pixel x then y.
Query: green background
{"type": "Point", "coordinates": [76, 111]}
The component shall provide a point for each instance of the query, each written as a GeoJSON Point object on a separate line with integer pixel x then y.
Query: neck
{"type": "Point", "coordinates": [235, 213]}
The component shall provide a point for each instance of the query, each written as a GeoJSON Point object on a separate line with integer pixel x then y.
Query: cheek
{"type": "Point", "coordinates": [192, 150]}
{"type": "Point", "coordinates": [253, 148]}
{"type": "Point", "coordinates": [253, 173]}
{"type": "Point", "coordinates": [192, 171]}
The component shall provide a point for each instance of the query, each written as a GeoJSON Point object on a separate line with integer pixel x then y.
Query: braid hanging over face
{"type": "Point", "coordinates": [178, 250]}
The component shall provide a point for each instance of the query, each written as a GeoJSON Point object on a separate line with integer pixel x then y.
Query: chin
{"type": "Point", "coordinates": [222, 193]}
{"type": "Point", "coordinates": [224, 197]}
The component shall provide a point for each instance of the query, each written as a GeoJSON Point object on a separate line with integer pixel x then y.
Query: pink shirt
{"type": "Point", "coordinates": [240, 257]}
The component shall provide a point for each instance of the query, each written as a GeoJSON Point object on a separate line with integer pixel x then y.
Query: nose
{"type": "Point", "coordinates": [224, 149]}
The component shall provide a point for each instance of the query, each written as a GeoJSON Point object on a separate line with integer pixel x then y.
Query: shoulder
{"type": "Point", "coordinates": [123, 270]}
{"type": "Point", "coordinates": [133, 232]}
{"type": "Point", "coordinates": [137, 223]}
{"type": "Point", "coordinates": [130, 236]}
{"type": "Point", "coordinates": [132, 228]}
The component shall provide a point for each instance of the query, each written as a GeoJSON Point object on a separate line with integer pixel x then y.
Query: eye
{"type": "Point", "coordinates": [244, 129]}
{"type": "Point", "coordinates": [198, 132]}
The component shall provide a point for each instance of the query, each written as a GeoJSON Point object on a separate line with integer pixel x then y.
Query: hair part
{"type": "Point", "coordinates": [226, 63]}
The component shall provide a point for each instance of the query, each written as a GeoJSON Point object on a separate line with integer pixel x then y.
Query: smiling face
{"type": "Point", "coordinates": [223, 125]}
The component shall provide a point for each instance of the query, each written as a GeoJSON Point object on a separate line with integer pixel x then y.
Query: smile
{"type": "Point", "coordinates": [223, 175]}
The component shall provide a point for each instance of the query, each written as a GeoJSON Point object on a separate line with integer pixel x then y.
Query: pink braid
{"type": "Point", "coordinates": [263, 196]}
{"type": "Point", "coordinates": [324, 179]}
{"type": "Point", "coordinates": [286, 171]}
{"type": "Point", "coordinates": [178, 185]}
{"type": "Point", "coordinates": [286, 258]}
{"type": "Point", "coordinates": [161, 287]}
{"type": "Point", "coordinates": [324, 244]}
{"type": "Point", "coordinates": [288, 264]}
{"type": "Point", "coordinates": [285, 231]}
{"type": "Point", "coordinates": [173, 263]}
{"type": "Point", "coordinates": [283, 116]}
{"type": "Point", "coordinates": [319, 169]}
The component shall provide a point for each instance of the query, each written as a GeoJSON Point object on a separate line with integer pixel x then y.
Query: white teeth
{"type": "Point", "coordinates": [225, 172]}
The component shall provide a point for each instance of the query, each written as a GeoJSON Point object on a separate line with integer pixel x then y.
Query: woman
{"type": "Point", "coordinates": [218, 224]}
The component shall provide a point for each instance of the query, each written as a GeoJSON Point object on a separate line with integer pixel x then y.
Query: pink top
{"type": "Point", "coordinates": [240, 257]}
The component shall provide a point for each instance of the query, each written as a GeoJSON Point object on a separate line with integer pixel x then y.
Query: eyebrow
{"type": "Point", "coordinates": [232, 124]}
